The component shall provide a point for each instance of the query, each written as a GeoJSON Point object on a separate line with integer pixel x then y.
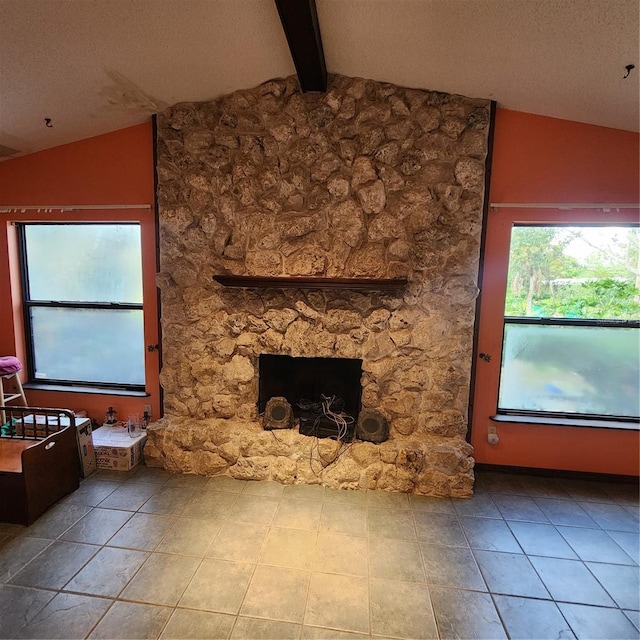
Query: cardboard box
{"type": "Point", "coordinates": [86, 450]}
{"type": "Point", "coordinates": [116, 449]}
{"type": "Point", "coordinates": [45, 425]}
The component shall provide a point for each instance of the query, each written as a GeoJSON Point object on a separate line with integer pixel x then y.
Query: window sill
{"type": "Point", "coordinates": [102, 391]}
{"type": "Point", "coordinates": [567, 422]}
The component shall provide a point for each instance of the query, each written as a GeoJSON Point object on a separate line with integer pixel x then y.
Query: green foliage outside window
{"type": "Point", "coordinates": [546, 279]}
{"type": "Point", "coordinates": [572, 363]}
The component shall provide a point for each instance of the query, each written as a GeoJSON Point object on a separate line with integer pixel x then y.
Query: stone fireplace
{"type": "Point", "coordinates": [367, 181]}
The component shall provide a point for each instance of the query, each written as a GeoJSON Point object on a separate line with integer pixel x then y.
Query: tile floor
{"type": "Point", "coordinates": [147, 554]}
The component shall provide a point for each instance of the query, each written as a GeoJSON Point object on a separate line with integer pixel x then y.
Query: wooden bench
{"type": "Point", "coordinates": [38, 461]}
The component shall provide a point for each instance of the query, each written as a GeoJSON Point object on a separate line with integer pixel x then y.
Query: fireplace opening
{"type": "Point", "coordinates": [306, 383]}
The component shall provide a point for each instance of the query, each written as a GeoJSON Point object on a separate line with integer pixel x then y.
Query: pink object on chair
{"type": "Point", "coordinates": [9, 365]}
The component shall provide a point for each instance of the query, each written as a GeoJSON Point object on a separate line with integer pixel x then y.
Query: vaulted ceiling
{"type": "Point", "coordinates": [93, 66]}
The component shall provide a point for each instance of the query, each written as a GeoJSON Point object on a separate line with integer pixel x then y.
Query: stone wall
{"type": "Point", "coordinates": [366, 180]}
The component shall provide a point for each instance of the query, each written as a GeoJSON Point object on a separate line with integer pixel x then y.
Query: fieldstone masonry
{"type": "Point", "coordinates": [366, 180]}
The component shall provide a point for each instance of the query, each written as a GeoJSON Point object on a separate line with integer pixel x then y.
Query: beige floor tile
{"type": "Point", "coordinates": [238, 541]}
{"type": "Point", "coordinates": [218, 585]}
{"type": "Point", "coordinates": [56, 565]}
{"type": "Point", "coordinates": [113, 476]}
{"type": "Point", "coordinates": [322, 633]}
{"type": "Point", "coordinates": [129, 496]}
{"type": "Point", "coordinates": [597, 622]}
{"type": "Point", "coordinates": [439, 528]}
{"type": "Point", "coordinates": [107, 573]}
{"type": "Point", "coordinates": [143, 531]}
{"type": "Point", "coordinates": [187, 480]}
{"type": "Point", "coordinates": [534, 538]}
{"type": "Point", "coordinates": [402, 610]}
{"type": "Point", "coordinates": [18, 606]}
{"type": "Point", "coordinates": [391, 523]}
{"type": "Point", "coordinates": [395, 560]}
{"type": "Point", "coordinates": [566, 512]}
{"type": "Point", "coordinates": [313, 492]}
{"type": "Point", "coordinates": [480, 505]}
{"type": "Point", "coordinates": [186, 624]}
{"type": "Point", "coordinates": [57, 520]}
{"type": "Point", "coordinates": [162, 579]}
{"type": "Point", "coordinates": [465, 614]}
{"type": "Point", "coordinates": [91, 492]}
{"type": "Point", "coordinates": [16, 553]}
{"type": "Point", "coordinates": [168, 500]}
{"type": "Point", "coordinates": [629, 542]}
{"type": "Point", "coordinates": [338, 602]}
{"type": "Point", "coordinates": [225, 484]}
{"type": "Point", "coordinates": [210, 505]}
{"type": "Point", "coordinates": [293, 548]}
{"type": "Point", "coordinates": [97, 526]}
{"type": "Point", "coordinates": [451, 567]}
{"type": "Point", "coordinates": [150, 475]}
{"type": "Point", "coordinates": [298, 514]}
{"type": "Point", "coordinates": [126, 620]}
{"type": "Point", "coordinates": [189, 537]}
{"type": "Point", "coordinates": [254, 509]}
{"type": "Point", "coordinates": [526, 618]}
{"type": "Point", "coordinates": [621, 582]}
{"type": "Point", "coordinates": [430, 504]}
{"type": "Point", "coordinates": [12, 529]}
{"type": "Point", "coordinates": [66, 616]}
{"type": "Point", "coordinates": [634, 616]}
{"type": "Point", "coordinates": [345, 496]}
{"type": "Point", "coordinates": [387, 500]}
{"type": "Point", "coordinates": [6, 535]}
{"type": "Point", "coordinates": [251, 628]}
{"type": "Point", "coordinates": [343, 518]}
{"type": "Point", "coordinates": [595, 545]}
{"type": "Point", "coordinates": [510, 574]}
{"type": "Point", "coordinates": [276, 593]}
{"type": "Point", "coordinates": [519, 508]}
{"type": "Point", "coordinates": [264, 488]}
{"type": "Point", "coordinates": [337, 553]}
{"type": "Point", "coordinates": [491, 535]}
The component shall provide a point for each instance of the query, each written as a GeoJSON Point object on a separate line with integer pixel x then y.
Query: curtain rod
{"type": "Point", "coordinates": [605, 206]}
{"type": "Point", "coordinates": [49, 208]}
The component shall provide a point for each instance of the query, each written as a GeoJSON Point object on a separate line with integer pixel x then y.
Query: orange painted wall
{"type": "Point", "coordinates": [539, 159]}
{"type": "Point", "coordinates": [545, 160]}
{"type": "Point", "coordinates": [111, 169]}
{"type": "Point", "coordinates": [536, 159]}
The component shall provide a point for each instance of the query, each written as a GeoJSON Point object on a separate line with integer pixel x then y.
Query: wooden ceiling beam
{"type": "Point", "coordinates": [300, 23]}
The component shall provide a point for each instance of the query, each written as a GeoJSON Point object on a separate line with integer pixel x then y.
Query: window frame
{"type": "Point", "coordinates": [505, 413]}
{"type": "Point", "coordinates": [28, 304]}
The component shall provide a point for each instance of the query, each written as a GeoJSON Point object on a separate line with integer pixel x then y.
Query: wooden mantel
{"type": "Point", "coordinates": [310, 282]}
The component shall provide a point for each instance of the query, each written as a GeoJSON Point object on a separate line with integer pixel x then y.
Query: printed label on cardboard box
{"type": "Point", "coordinates": [85, 447]}
{"type": "Point", "coordinates": [116, 450]}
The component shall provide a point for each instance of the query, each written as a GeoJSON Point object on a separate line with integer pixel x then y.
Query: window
{"type": "Point", "coordinates": [82, 294]}
{"type": "Point", "coordinates": [571, 327]}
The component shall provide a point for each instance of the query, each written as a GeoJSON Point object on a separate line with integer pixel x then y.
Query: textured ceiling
{"type": "Point", "coordinates": [93, 66]}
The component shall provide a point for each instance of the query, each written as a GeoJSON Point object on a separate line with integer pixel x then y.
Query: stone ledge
{"type": "Point", "coordinates": [436, 466]}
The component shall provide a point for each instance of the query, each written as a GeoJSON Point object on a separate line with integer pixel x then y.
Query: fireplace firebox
{"type": "Point", "coordinates": [307, 381]}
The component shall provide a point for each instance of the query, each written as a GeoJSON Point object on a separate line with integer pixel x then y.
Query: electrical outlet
{"type": "Point", "coordinates": [492, 429]}
{"type": "Point", "coordinates": [492, 434]}
{"type": "Point", "coordinates": [147, 408]}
